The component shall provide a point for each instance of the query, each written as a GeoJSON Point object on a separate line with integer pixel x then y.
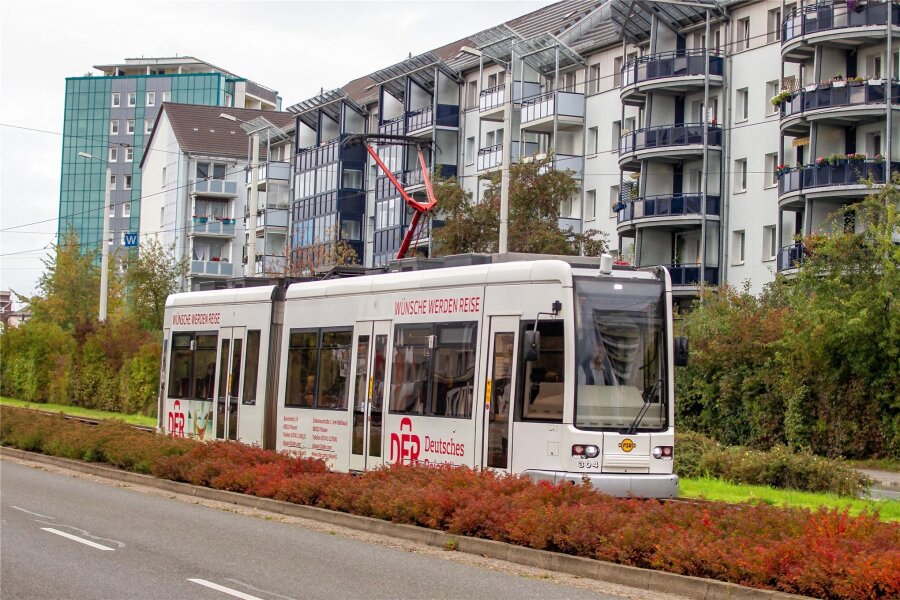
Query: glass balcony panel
{"type": "Point", "coordinates": [492, 98]}
{"type": "Point", "coordinates": [790, 256]}
{"type": "Point", "coordinates": [679, 63]}
{"type": "Point", "coordinates": [669, 135]}
{"type": "Point", "coordinates": [824, 17]}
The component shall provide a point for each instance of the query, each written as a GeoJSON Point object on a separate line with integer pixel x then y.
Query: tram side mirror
{"type": "Point", "coordinates": [532, 345]}
{"type": "Point", "coordinates": [681, 351]}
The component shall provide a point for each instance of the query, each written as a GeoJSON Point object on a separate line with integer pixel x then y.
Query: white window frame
{"type": "Point", "coordinates": [738, 246]}
{"type": "Point", "coordinates": [771, 91]}
{"type": "Point", "coordinates": [114, 127]}
{"type": "Point", "coordinates": [126, 209]}
{"type": "Point", "coordinates": [132, 99]}
{"type": "Point", "coordinates": [151, 99]}
{"type": "Point", "coordinates": [126, 182]}
{"type": "Point", "coordinates": [116, 100]}
{"type": "Point", "coordinates": [771, 162]}
{"type": "Point", "coordinates": [743, 104]}
{"type": "Point", "coordinates": [614, 193]}
{"type": "Point", "coordinates": [167, 96]}
{"type": "Point", "coordinates": [129, 127]}
{"type": "Point", "coordinates": [770, 242]}
{"type": "Point", "coordinates": [113, 154]}
{"type": "Point", "coordinates": [470, 150]}
{"type": "Point", "coordinates": [129, 154]}
{"type": "Point", "coordinates": [740, 175]}
{"type": "Point", "coordinates": [148, 126]}
{"type": "Point", "coordinates": [592, 140]}
{"type": "Point", "coordinates": [112, 181]}
{"type": "Point", "coordinates": [744, 33]}
{"type": "Point", "coordinates": [590, 205]}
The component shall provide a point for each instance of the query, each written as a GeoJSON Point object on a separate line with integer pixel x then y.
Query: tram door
{"type": "Point", "coordinates": [228, 385]}
{"type": "Point", "coordinates": [500, 381]}
{"type": "Point", "coordinates": [370, 354]}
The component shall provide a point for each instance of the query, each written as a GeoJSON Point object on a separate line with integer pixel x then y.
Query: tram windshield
{"type": "Point", "coordinates": [620, 355]}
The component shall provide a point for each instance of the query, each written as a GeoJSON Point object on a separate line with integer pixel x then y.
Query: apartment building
{"type": "Point", "coordinates": [198, 189]}
{"type": "Point", "coordinates": [109, 117]}
{"type": "Point", "coordinates": [663, 111]}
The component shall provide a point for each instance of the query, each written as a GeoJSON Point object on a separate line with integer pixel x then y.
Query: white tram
{"type": "Point", "coordinates": [557, 370]}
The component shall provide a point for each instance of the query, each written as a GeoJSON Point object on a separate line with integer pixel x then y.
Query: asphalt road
{"type": "Point", "coordinates": [73, 538]}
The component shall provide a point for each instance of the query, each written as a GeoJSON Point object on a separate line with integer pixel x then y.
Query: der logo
{"type": "Point", "coordinates": [405, 446]}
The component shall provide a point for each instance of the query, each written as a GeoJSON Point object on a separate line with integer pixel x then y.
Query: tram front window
{"type": "Point", "coordinates": [620, 355]}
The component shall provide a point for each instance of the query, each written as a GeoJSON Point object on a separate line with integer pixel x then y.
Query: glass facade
{"type": "Point", "coordinates": [98, 111]}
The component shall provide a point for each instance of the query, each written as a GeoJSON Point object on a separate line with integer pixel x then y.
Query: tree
{"type": "Point", "coordinates": [69, 288]}
{"type": "Point", "coordinates": [535, 193]}
{"type": "Point", "coordinates": [151, 274]}
{"type": "Point", "coordinates": [306, 261]}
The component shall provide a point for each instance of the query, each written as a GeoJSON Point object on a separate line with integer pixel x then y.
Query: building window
{"type": "Point", "coordinates": [132, 98]}
{"type": "Point", "coordinates": [167, 96]}
{"type": "Point", "coordinates": [613, 199]}
{"type": "Point", "coordinates": [617, 71]}
{"type": "Point", "coordinates": [163, 182]}
{"type": "Point", "coordinates": [774, 26]}
{"type": "Point", "coordinates": [592, 140]}
{"type": "Point", "coordinates": [470, 150]}
{"type": "Point", "coordinates": [116, 99]}
{"type": "Point", "coordinates": [616, 134]}
{"type": "Point", "coordinates": [743, 104]}
{"type": "Point", "coordinates": [737, 247]}
{"type": "Point", "coordinates": [740, 175]}
{"type": "Point", "coordinates": [743, 33]}
{"type": "Point", "coordinates": [590, 205]}
{"type": "Point", "coordinates": [876, 67]}
{"type": "Point", "coordinates": [492, 80]}
{"type": "Point", "coordinates": [770, 242]}
{"type": "Point", "coordinates": [151, 98]}
{"type": "Point", "coordinates": [128, 182]}
{"type": "Point", "coordinates": [112, 182]}
{"type": "Point", "coordinates": [113, 155]}
{"type": "Point", "coordinates": [875, 144]}
{"type": "Point", "coordinates": [114, 127]}
{"type": "Point", "coordinates": [129, 126]}
{"type": "Point", "coordinates": [207, 170]}
{"type": "Point", "coordinates": [771, 91]}
{"type": "Point", "coordinates": [565, 207]}
{"type": "Point", "coordinates": [771, 174]}
{"type": "Point", "coordinates": [472, 94]}
{"type": "Point", "coordinates": [148, 125]}
{"type": "Point", "coordinates": [595, 77]}
{"type": "Point", "coordinates": [126, 208]}
{"type": "Point", "coordinates": [129, 154]}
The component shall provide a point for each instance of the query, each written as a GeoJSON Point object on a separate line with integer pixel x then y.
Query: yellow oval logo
{"type": "Point", "coordinates": [626, 445]}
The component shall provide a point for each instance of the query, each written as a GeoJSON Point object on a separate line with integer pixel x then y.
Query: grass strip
{"type": "Point", "coordinates": [723, 491]}
{"type": "Point", "coordinates": [77, 411]}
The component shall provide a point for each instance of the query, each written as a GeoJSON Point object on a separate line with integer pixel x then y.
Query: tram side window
{"type": "Point", "coordinates": [319, 368]}
{"type": "Point", "coordinates": [303, 355]}
{"type": "Point", "coordinates": [251, 368]}
{"type": "Point", "coordinates": [193, 365]}
{"type": "Point", "coordinates": [434, 370]}
{"type": "Point", "coordinates": [540, 395]}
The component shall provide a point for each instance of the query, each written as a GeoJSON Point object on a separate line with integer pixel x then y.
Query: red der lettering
{"type": "Point", "coordinates": [405, 446]}
{"type": "Point", "coordinates": [175, 420]}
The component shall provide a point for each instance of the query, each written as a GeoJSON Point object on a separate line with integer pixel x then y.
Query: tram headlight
{"type": "Point", "coordinates": [585, 451]}
{"type": "Point", "coordinates": [663, 452]}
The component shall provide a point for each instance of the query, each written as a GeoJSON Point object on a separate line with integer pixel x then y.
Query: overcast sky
{"type": "Point", "coordinates": [294, 47]}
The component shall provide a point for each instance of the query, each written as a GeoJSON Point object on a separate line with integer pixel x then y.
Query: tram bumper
{"type": "Point", "coordinates": [621, 485]}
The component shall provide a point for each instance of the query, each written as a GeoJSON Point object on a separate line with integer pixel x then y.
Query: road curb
{"type": "Point", "coordinates": [647, 579]}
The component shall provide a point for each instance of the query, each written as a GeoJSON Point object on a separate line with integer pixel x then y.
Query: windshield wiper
{"type": "Point", "coordinates": [648, 400]}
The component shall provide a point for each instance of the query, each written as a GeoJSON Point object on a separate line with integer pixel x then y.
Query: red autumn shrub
{"type": "Point", "coordinates": [826, 554]}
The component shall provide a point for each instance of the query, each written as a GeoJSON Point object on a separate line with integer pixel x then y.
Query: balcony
{"type": "Point", "coordinates": [492, 102]}
{"type": "Point", "coordinates": [667, 142]}
{"type": "Point", "coordinates": [689, 275]}
{"type": "Point", "coordinates": [277, 171]}
{"type": "Point", "coordinates": [272, 217]}
{"type": "Point", "coordinates": [566, 108]}
{"type": "Point", "coordinates": [212, 227]}
{"type": "Point", "coordinates": [220, 188]}
{"type": "Point", "coordinates": [845, 103]}
{"type": "Point", "coordinates": [789, 257]}
{"type": "Point", "coordinates": [211, 268]}
{"type": "Point", "coordinates": [570, 222]}
{"type": "Point", "coordinates": [565, 162]}
{"type": "Point", "coordinates": [268, 264]}
{"type": "Point", "coordinates": [413, 177]}
{"type": "Point", "coordinates": [676, 72]}
{"type": "Point", "coordinates": [842, 177]}
{"type": "Point", "coordinates": [423, 119]}
{"type": "Point", "coordinates": [393, 126]}
{"type": "Point", "coordinates": [679, 207]}
{"type": "Point", "coordinates": [491, 157]}
{"type": "Point", "coordinates": [852, 23]}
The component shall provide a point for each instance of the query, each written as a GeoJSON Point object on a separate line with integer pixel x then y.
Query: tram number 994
{"type": "Point", "coordinates": [589, 464]}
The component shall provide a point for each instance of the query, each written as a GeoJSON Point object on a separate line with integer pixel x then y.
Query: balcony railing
{"type": "Point", "coordinates": [273, 217]}
{"type": "Point", "coordinates": [690, 274]}
{"type": "Point", "coordinates": [573, 222]}
{"type": "Point", "coordinates": [393, 126]}
{"type": "Point", "coordinates": [821, 17]}
{"type": "Point", "coordinates": [270, 264]}
{"type": "Point", "coordinates": [490, 157]}
{"type": "Point", "coordinates": [564, 104]}
{"type": "Point", "coordinates": [414, 176]}
{"type": "Point", "coordinates": [673, 205]}
{"type": "Point", "coordinates": [669, 135]}
{"type": "Point", "coordinates": [211, 267]}
{"type": "Point", "coordinates": [678, 63]}
{"type": "Point", "coordinates": [221, 187]}
{"type": "Point", "coordinates": [492, 98]}
{"type": "Point", "coordinates": [212, 226]}
{"type": "Point", "coordinates": [423, 118]}
{"type": "Point", "coordinates": [843, 172]}
{"type": "Point", "coordinates": [838, 94]}
{"type": "Point", "coordinates": [790, 256]}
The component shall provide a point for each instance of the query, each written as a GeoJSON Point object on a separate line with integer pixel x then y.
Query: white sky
{"type": "Point", "coordinates": [294, 47]}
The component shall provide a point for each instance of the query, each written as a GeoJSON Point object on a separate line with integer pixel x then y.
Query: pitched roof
{"type": "Point", "coordinates": [201, 129]}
